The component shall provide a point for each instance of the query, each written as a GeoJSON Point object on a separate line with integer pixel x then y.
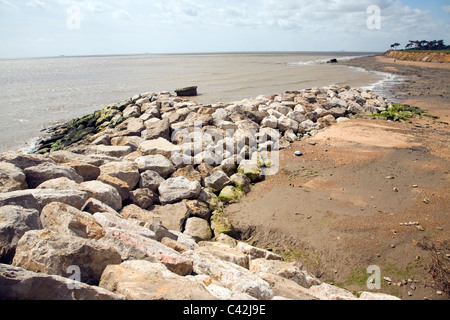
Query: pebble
{"type": "Point", "coordinates": [426, 200]}
{"type": "Point", "coordinates": [395, 189]}
{"type": "Point", "coordinates": [298, 153]}
{"type": "Point", "coordinates": [312, 143]}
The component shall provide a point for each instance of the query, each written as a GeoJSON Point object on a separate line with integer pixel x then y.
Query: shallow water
{"type": "Point", "coordinates": [37, 93]}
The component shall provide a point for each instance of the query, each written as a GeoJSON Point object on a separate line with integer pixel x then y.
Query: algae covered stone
{"type": "Point", "coordinates": [251, 169]}
{"type": "Point", "coordinates": [220, 224]}
{"type": "Point", "coordinates": [230, 194]}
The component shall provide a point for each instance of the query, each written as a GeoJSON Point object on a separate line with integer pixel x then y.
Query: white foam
{"type": "Point", "coordinates": [323, 61]}
{"type": "Point", "coordinates": [383, 86]}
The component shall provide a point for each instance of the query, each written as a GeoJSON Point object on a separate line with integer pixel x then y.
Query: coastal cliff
{"type": "Point", "coordinates": [426, 56]}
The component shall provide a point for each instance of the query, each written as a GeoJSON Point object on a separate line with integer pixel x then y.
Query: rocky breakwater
{"type": "Point", "coordinates": [127, 203]}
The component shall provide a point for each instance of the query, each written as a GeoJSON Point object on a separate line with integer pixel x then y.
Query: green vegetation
{"type": "Point", "coordinates": [304, 257]}
{"type": "Point", "coordinates": [400, 112]}
{"type": "Point", "coordinates": [433, 45]}
{"type": "Point", "coordinates": [430, 51]}
{"type": "Point", "coordinates": [401, 273]}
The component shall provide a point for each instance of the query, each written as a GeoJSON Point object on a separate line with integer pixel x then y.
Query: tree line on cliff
{"type": "Point", "coordinates": [423, 45]}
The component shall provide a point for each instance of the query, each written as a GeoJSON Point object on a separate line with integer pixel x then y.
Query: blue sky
{"type": "Point", "coordinates": [35, 28]}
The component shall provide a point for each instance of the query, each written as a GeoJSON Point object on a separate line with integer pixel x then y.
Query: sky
{"type": "Point", "coordinates": [41, 28]}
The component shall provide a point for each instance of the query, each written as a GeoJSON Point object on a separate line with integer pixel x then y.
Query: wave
{"type": "Point", "coordinates": [383, 87]}
{"type": "Point", "coordinates": [323, 61]}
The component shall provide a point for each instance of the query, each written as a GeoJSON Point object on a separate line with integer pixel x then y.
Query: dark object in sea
{"type": "Point", "coordinates": [333, 61]}
{"type": "Point", "coordinates": [187, 92]}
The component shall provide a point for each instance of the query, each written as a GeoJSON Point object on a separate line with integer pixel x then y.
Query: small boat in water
{"type": "Point", "coordinates": [187, 92]}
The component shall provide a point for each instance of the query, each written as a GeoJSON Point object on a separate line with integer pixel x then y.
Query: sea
{"type": "Point", "coordinates": [41, 92]}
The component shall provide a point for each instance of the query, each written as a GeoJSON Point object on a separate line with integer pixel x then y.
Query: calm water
{"type": "Point", "coordinates": [36, 93]}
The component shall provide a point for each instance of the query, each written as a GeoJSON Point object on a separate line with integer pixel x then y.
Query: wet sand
{"type": "Point", "coordinates": [342, 206]}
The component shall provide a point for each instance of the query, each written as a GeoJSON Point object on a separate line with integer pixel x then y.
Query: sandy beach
{"type": "Point", "coordinates": [369, 192]}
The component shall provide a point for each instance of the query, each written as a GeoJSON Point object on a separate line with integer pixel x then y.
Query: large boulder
{"type": "Point", "coordinates": [220, 224]}
{"type": "Point", "coordinates": [224, 252]}
{"type": "Point", "coordinates": [121, 186]}
{"type": "Point", "coordinates": [12, 178]}
{"type": "Point", "coordinates": [47, 171]}
{"type": "Point", "coordinates": [62, 183]}
{"type": "Point", "coordinates": [156, 128]}
{"type": "Point", "coordinates": [198, 229]}
{"type": "Point", "coordinates": [143, 198]}
{"type": "Point", "coordinates": [326, 291]}
{"type": "Point", "coordinates": [230, 194]}
{"type": "Point", "coordinates": [285, 124]}
{"type": "Point", "coordinates": [108, 220]}
{"type": "Point", "coordinates": [64, 219]}
{"type": "Point", "coordinates": [217, 181]}
{"type": "Point", "coordinates": [132, 211]}
{"type": "Point", "coordinates": [157, 163]}
{"type": "Point", "coordinates": [230, 275]}
{"type": "Point", "coordinates": [176, 189]}
{"type": "Point", "coordinates": [198, 209]}
{"type": "Point", "coordinates": [131, 141]}
{"type": "Point", "coordinates": [87, 171]}
{"type": "Point", "coordinates": [270, 122]}
{"type": "Point", "coordinates": [256, 253]}
{"type": "Point", "coordinates": [132, 246]}
{"type": "Point", "coordinates": [251, 169]}
{"type": "Point", "coordinates": [103, 192]}
{"type": "Point", "coordinates": [20, 284]}
{"type": "Point", "coordinates": [285, 288]}
{"type": "Point", "coordinates": [173, 216]}
{"type": "Point", "coordinates": [145, 280]}
{"type": "Point", "coordinates": [126, 171]}
{"type": "Point", "coordinates": [289, 270]}
{"type": "Point", "coordinates": [14, 222]}
{"type": "Point", "coordinates": [39, 198]}
{"type": "Point", "coordinates": [189, 173]}
{"type": "Point", "coordinates": [151, 180]}
{"type": "Point", "coordinates": [48, 252]}
{"type": "Point", "coordinates": [24, 161]}
{"type": "Point", "coordinates": [158, 146]}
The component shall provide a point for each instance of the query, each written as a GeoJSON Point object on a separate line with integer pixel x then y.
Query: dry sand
{"type": "Point", "coordinates": [339, 208]}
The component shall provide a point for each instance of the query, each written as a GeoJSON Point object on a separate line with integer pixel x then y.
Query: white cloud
{"type": "Point", "coordinates": [217, 25]}
{"type": "Point", "coordinates": [446, 9]}
{"type": "Point", "coordinates": [4, 3]}
{"type": "Point", "coordinates": [37, 4]}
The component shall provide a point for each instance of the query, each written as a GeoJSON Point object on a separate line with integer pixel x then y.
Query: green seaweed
{"type": "Point", "coordinates": [400, 112]}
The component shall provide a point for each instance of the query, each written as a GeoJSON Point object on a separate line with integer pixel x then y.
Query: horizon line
{"type": "Point", "coordinates": [187, 53]}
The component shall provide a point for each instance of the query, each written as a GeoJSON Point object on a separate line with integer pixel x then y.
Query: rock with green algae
{"type": "Point", "coordinates": [230, 194]}
{"type": "Point", "coordinates": [220, 224]}
{"type": "Point", "coordinates": [251, 169]}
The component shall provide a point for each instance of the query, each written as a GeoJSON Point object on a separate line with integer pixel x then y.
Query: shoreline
{"type": "Point", "coordinates": [425, 85]}
{"type": "Point", "coordinates": [35, 126]}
